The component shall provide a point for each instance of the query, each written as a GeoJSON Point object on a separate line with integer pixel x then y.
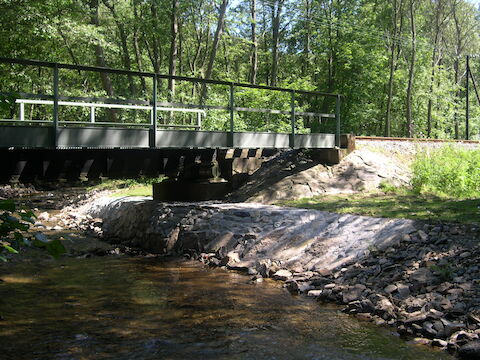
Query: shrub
{"type": "Point", "coordinates": [14, 232]}
{"type": "Point", "coordinates": [448, 171]}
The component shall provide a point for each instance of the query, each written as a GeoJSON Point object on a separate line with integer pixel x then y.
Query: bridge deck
{"type": "Point", "coordinates": [31, 136]}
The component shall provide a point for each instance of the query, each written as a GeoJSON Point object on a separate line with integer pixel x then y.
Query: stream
{"type": "Point", "coordinates": [121, 307]}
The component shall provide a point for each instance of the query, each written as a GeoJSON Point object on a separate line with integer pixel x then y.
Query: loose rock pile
{"type": "Point", "coordinates": [426, 286]}
{"type": "Point", "coordinates": [11, 192]}
{"type": "Point", "coordinates": [293, 175]}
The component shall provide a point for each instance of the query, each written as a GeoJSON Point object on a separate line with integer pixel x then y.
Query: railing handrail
{"type": "Point", "coordinates": [93, 106]}
{"type": "Point", "coordinates": [109, 106]}
{"type": "Point", "coordinates": [6, 60]}
{"type": "Point", "coordinates": [103, 123]}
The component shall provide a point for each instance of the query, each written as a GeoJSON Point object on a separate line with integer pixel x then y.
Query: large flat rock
{"type": "Point", "coordinates": [297, 239]}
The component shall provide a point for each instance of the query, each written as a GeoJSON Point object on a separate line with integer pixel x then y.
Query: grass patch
{"type": "Point", "coordinates": [401, 203]}
{"type": "Point", "coordinates": [138, 190]}
{"type": "Point", "coordinates": [445, 187]}
{"type": "Point", "coordinates": [128, 187]}
{"type": "Point", "coordinates": [448, 170]}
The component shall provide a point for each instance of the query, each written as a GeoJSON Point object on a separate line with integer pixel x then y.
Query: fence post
{"type": "Point", "coordinates": [92, 114]}
{"type": "Point", "coordinates": [231, 107]}
{"type": "Point", "coordinates": [55, 106]}
{"type": "Point", "coordinates": [292, 121]}
{"type": "Point", "coordinates": [22, 111]}
{"type": "Point", "coordinates": [467, 102]}
{"type": "Point", "coordinates": [337, 118]}
{"type": "Point", "coordinates": [153, 129]}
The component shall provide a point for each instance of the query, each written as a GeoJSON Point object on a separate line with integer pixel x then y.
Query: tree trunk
{"type": "Point", "coordinates": [411, 70]}
{"type": "Point", "coordinates": [393, 59]}
{"type": "Point", "coordinates": [100, 60]}
{"type": "Point", "coordinates": [331, 58]}
{"type": "Point", "coordinates": [216, 40]}
{"type": "Point", "coordinates": [156, 48]}
{"type": "Point", "coordinates": [136, 47]}
{"type": "Point", "coordinates": [276, 12]}
{"type": "Point", "coordinates": [173, 48]}
{"type": "Point", "coordinates": [99, 54]}
{"type": "Point", "coordinates": [456, 64]}
{"type": "Point", "coordinates": [127, 62]}
{"type": "Point", "coordinates": [456, 67]}
{"type": "Point", "coordinates": [440, 19]}
{"type": "Point", "coordinates": [308, 35]}
{"type": "Point", "coordinates": [180, 49]}
{"type": "Point", "coordinates": [254, 54]}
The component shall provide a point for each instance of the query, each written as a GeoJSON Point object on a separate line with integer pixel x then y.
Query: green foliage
{"type": "Point", "coordinates": [448, 171]}
{"type": "Point", "coordinates": [401, 203]}
{"type": "Point", "coordinates": [14, 232]}
{"type": "Point", "coordinates": [387, 187]}
{"type": "Point", "coordinates": [115, 184]}
{"type": "Point", "coordinates": [329, 46]}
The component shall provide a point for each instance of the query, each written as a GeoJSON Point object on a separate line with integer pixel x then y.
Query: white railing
{"type": "Point", "coordinates": [200, 113]}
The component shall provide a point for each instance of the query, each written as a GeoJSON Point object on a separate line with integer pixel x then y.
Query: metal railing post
{"type": "Point", "coordinates": [337, 118]}
{"type": "Point", "coordinates": [231, 108]}
{"type": "Point", "coordinates": [55, 106]}
{"type": "Point", "coordinates": [92, 114]}
{"type": "Point", "coordinates": [292, 121]}
{"type": "Point", "coordinates": [22, 111]}
{"type": "Point", "coordinates": [467, 102]}
{"type": "Point", "coordinates": [153, 131]}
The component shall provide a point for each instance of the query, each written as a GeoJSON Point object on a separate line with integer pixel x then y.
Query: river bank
{"type": "Point", "coordinates": [121, 306]}
{"type": "Point", "coordinates": [420, 278]}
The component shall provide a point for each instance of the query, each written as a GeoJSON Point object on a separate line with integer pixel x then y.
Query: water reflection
{"type": "Point", "coordinates": [144, 308]}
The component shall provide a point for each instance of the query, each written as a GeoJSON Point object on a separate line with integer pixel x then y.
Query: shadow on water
{"type": "Point", "coordinates": [143, 308]}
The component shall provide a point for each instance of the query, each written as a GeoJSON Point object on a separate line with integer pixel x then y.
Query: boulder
{"type": "Point", "coordinates": [353, 293]}
{"type": "Point", "coordinates": [470, 351]}
{"type": "Point", "coordinates": [282, 275]}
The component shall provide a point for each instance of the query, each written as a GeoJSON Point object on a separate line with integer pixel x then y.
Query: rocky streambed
{"type": "Point", "coordinates": [420, 278]}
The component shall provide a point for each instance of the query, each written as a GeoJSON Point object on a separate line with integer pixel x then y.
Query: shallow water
{"type": "Point", "coordinates": [146, 308]}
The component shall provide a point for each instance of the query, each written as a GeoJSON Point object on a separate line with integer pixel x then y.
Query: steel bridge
{"type": "Point", "coordinates": [57, 132]}
{"type": "Point", "coordinates": [75, 138]}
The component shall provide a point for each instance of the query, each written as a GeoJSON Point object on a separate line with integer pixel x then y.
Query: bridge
{"type": "Point", "coordinates": [54, 111]}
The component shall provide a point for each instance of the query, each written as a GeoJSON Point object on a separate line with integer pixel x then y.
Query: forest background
{"type": "Point", "coordinates": [399, 63]}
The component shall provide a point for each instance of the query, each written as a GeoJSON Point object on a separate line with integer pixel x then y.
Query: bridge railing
{"type": "Point", "coordinates": [93, 106]}
{"type": "Point", "coordinates": [154, 105]}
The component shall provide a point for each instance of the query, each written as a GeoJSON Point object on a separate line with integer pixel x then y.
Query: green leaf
{"type": "Point", "coordinates": [28, 219]}
{"type": "Point", "coordinates": [10, 249]}
{"type": "Point", "coordinates": [3, 258]}
{"type": "Point", "coordinates": [21, 226]}
{"type": "Point", "coordinates": [55, 248]}
{"type": "Point", "coordinates": [7, 205]}
{"type": "Point", "coordinates": [18, 237]}
{"type": "Point", "coordinates": [29, 213]}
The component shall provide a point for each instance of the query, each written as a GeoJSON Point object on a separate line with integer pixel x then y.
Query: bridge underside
{"type": "Point", "coordinates": [29, 136]}
{"type": "Point", "coordinates": [51, 165]}
{"type": "Point", "coordinates": [46, 165]}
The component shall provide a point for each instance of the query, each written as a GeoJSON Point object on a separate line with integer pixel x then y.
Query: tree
{"type": "Point", "coordinates": [411, 69]}
{"type": "Point", "coordinates": [276, 16]}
